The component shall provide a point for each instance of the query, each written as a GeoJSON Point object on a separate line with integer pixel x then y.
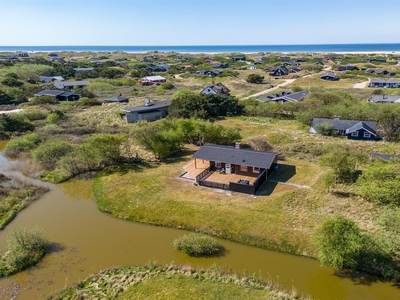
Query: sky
{"type": "Point", "coordinates": [197, 22]}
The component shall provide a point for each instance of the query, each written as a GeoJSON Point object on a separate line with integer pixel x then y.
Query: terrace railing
{"type": "Point", "coordinates": [203, 175]}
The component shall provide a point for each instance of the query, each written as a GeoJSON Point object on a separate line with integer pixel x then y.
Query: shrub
{"type": "Point", "coordinates": [33, 114]}
{"type": "Point", "coordinates": [339, 243]}
{"type": "Point", "coordinates": [255, 78]}
{"type": "Point", "coordinates": [259, 143]}
{"type": "Point", "coordinates": [167, 85]}
{"type": "Point", "coordinates": [55, 116]}
{"type": "Point", "coordinates": [196, 244]}
{"type": "Point", "coordinates": [25, 248]}
{"type": "Point", "coordinates": [44, 100]}
{"type": "Point", "coordinates": [160, 90]}
{"type": "Point", "coordinates": [20, 144]}
{"type": "Point", "coordinates": [89, 102]}
{"type": "Point", "coordinates": [51, 151]}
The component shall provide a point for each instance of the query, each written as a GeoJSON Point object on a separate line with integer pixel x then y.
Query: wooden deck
{"type": "Point", "coordinates": [226, 178]}
{"type": "Point", "coordinates": [192, 169]}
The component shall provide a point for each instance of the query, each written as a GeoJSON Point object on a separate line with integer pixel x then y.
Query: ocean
{"type": "Point", "coordinates": [395, 47]}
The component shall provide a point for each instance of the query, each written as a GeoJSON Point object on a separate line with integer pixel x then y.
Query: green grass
{"type": "Point", "coordinates": [170, 282]}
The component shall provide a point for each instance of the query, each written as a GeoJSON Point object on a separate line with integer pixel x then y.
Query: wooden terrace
{"type": "Point", "coordinates": [195, 167]}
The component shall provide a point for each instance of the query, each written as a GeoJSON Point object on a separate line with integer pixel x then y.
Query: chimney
{"type": "Point", "coordinates": [212, 82]}
{"type": "Point", "coordinates": [147, 102]}
{"type": "Point", "coordinates": [237, 145]}
{"type": "Point", "coordinates": [336, 117]}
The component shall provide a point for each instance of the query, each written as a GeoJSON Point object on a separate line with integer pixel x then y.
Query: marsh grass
{"type": "Point", "coordinates": [154, 281]}
{"type": "Point", "coordinates": [196, 244]}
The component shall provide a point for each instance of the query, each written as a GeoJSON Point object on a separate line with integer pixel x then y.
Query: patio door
{"type": "Point", "coordinates": [228, 168]}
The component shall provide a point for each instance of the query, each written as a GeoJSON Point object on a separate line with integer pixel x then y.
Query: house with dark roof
{"type": "Point", "coordinates": [384, 82]}
{"type": "Point", "coordinates": [320, 63]}
{"type": "Point", "coordinates": [348, 68]}
{"type": "Point", "coordinates": [295, 70]}
{"type": "Point", "coordinates": [23, 55]}
{"type": "Point", "coordinates": [116, 99]}
{"type": "Point", "coordinates": [285, 97]}
{"type": "Point", "coordinates": [70, 84]}
{"type": "Point", "coordinates": [217, 64]}
{"type": "Point", "coordinates": [231, 168]}
{"type": "Point", "coordinates": [83, 69]}
{"type": "Point", "coordinates": [384, 156]}
{"type": "Point", "coordinates": [290, 63]}
{"type": "Point", "coordinates": [208, 73]}
{"type": "Point", "coordinates": [279, 71]}
{"type": "Point", "coordinates": [329, 76]}
{"type": "Point", "coordinates": [384, 99]}
{"type": "Point", "coordinates": [47, 79]}
{"type": "Point", "coordinates": [59, 95]}
{"type": "Point", "coordinates": [150, 111]}
{"type": "Point", "coordinates": [156, 69]}
{"type": "Point", "coordinates": [218, 89]}
{"type": "Point", "coordinates": [354, 130]}
{"type": "Point", "coordinates": [238, 58]}
{"type": "Point", "coordinates": [302, 59]}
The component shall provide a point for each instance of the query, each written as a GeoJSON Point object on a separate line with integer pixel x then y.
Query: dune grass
{"type": "Point", "coordinates": [171, 282]}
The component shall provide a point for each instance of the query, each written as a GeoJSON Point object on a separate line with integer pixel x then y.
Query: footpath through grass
{"type": "Point", "coordinates": [170, 282]}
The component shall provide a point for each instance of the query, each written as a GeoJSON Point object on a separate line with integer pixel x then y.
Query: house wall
{"type": "Point", "coordinates": [361, 136]}
{"type": "Point", "coordinates": [150, 116]}
{"type": "Point", "coordinates": [208, 91]}
{"type": "Point", "coordinates": [131, 117]}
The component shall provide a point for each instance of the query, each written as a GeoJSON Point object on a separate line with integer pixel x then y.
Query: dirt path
{"type": "Point", "coordinates": [290, 183]}
{"type": "Point", "coordinates": [287, 81]}
{"type": "Point", "coordinates": [11, 111]}
{"type": "Point", "coordinates": [361, 85]}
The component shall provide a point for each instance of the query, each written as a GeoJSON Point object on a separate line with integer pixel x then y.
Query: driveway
{"type": "Point", "coordinates": [287, 81]}
{"type": "Point", "coordinates": [361, 85]}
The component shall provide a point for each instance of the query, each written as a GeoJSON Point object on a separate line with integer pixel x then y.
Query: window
{"type": "Point", "coordinates": [355, 133]}
{"type": "Point", "coordinates": [243, 168]}
{"type": "Point", "coordinates": [367, 134]}
{"type": "Point", "coordinates": [256, 170]}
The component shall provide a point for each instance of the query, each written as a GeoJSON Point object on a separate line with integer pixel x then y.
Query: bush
{"type": "Point", "coordinates": [55, 116]}
{"type": "Point", "coordinates": [196, 244]}
{"type": "Point", "coordinates": [89, 102]}
{"type": "Point", "coordinates": [167, 85]}
{"type": "Point", "coordinates": [160, 90]}
{"type": "Point", "coordinates": [20, 144]}
{"type": "Point", "coordinates": [255, 78]}
{"type": "Point", "coordinates": [51, 151]}
{"type": "Point", "coordinates": [44, 100]}
{"type": "Point", "coordinates": [25, 248]}
{"type": "Point", "coordinates": [339, 243]}
{"type": "Point", "coordinates": [259, 143]}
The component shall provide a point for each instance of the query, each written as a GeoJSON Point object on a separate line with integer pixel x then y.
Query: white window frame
{"type": "Point", "coordinates": [243, 168]}
{"type": "Point", "coordinates": [256, 170]}
{"type": "Point", "coordinates": [354, 133]}
{"type": "Point", "coordinates": [367, 134]}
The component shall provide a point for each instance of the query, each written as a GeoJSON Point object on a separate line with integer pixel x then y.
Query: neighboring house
{"type": "Point", "coordinates": [279, 71]}
{"type": "Point", "coordinates": [217, 64]}
{"type": "Point", "coordinates": [329, 76]}
{"type": "Point", "coordinates": [149, 80]}
{"type": "Point", "coordinates": [290, 63]}
{"type": "Point", "coordinates": [384, 156]}
{"type": "Point", "coordinates": [47, 79]}
{"type": "Point", "coordinates": [149, 112]}
{"type": "Point", "coordinates": [23, 55]}
{"type": "Point", "coordinates": [238, 58]}
{"type": "Point", "coordinates": [208, 73]}
{"type": "Point", "coordinates": [117, 99]}
{"type": "Point", "coordinates": [284, 57]}
{"type": "Point", "coordinates": [320, 63]}
{"type": "Point", "coordinates": [70, 84]}
{"type": "Point", "coordinates": [232, 168]}
{"type": "Point", "coordinates": [380, 72]}
{"type": "Point", "coordinates": [385, 83]}
{"type": "Point", "coordinates": [295, 70]}
{"type": "Point", "coordinates": [285, 97]}
{"type": "Point", "coordinates": [218, 89]}
{"type": "Point", "coordinates": [252, 67]}
{"type": "Point", "coordinates": [83, 69]}
{"type": "Point", "coordinates": [156, 69]}
{"type": "Point", "coordinates": [354, 130]}
{"type": "Point", "coordinates": [371, 59]}
{"type": "Point", "coordinates": [348, 68]}
{"type": "Point", "coordinates": [384, 99]}
{"type": "Point", "coordinates": [51, 55]}
{"type": "Point", "coordinates": [59, 95]}
{"type": "Point", "coordinates": [302, 59]}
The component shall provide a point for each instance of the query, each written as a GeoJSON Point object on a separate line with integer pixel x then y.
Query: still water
{"type": "Point", "coordinates": [86, 241]}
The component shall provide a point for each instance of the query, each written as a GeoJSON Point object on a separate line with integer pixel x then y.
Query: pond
{"type": "Point", "coordinates": [86, 241]}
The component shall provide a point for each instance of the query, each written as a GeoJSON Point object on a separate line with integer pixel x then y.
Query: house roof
{"type": "Point", "coordinates": [83, 69]}
{"type": "Point", "coordinates": [219, 89]}
{"type": "Point", "coordinates": [385, 156]}
{"type": "Point", "coordinates": [50, 78]}
{"type": "Point", "coordinates": [232, 155]}
{"type": "Point", "coordinates": [361, 125]}
{"type": "Point", "coordinates": [146, 108]}
{"type": "Point", "coordinates": [48, 93]}
{"type": "Point", "coordinates": [385, 80]}
{"type": "Point", "coordinates": [298, 96]}
{"type": "Point", "coordinates": [338, 124]}
{"type": "Point", "coordinates": [333, 75]}
{"type": "Point", "coordinates": [153, 78]}
{"type": "Point", "coordinates": [61, 85]}
{"type": "Point", "coordinates": [117, 99]}
{"type": "Point", "coordinates": [384, 98]}
{"type": "Point", "coordinates": [54, 93]}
